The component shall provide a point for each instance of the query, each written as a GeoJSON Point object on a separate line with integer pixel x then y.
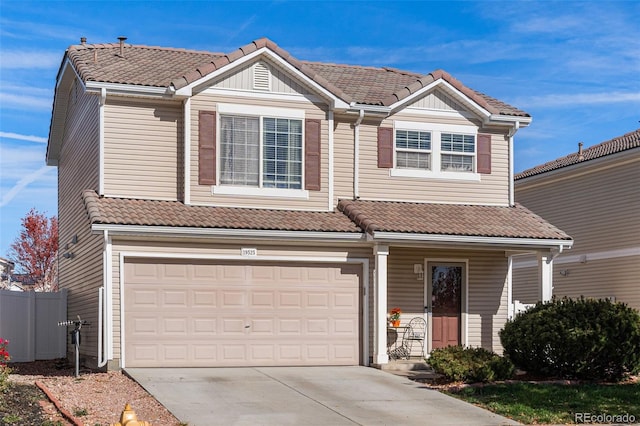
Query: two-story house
{"type": "Point", "coordinates": [591, 193]}
{"type": "Point", "coordinates": [250, 208]}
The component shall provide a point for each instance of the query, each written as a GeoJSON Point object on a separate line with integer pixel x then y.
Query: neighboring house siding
{"type": "Point", "coordinates": [143, 142]}
{"type": "Point", "coordinates": [596, 205]}
{"type": "Point", "coordinates": [78, 170]}
{"type": "Point", "coordinates": [377, 183]}
{"type": "Point", "coordinates": [202, 194]}
{"type": "Point", "coordinates": [487, 289]}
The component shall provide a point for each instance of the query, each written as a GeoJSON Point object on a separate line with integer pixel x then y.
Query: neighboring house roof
{"type": "Point", "coordinates": [367, 216]}
{"type": "Point", "coordinates": [120, 211]}
{"type": "Point", "coordinates": [177, 68]}
{"type": "Point", "coordinates": [449, 219]}
{"type": "Point", "coordinates": [618, 144]}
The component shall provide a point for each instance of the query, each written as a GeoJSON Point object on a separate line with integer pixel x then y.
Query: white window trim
{"type": "Point", "coordinates": [252, 191]}
{"type": "Point", "coordinates": [436, 152]}
{"type": "Point", "coordinates": [260, 112]}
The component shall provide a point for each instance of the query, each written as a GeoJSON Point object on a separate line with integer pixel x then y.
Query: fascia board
{"type": "Point", "coordinates": [129, 89]}
{"type": "Point", "coordinates": [160, 231]}
{"type": "Point", "coordinates": [461, 97]}
{"type": "Point", "coordinates": [188, 90]}
{"type": "Point", "coordinates": [59, 109]}
{"type": "Point", "coordinates": [509, 120]}
{"type": "Point", "coordinates": [462, 239]}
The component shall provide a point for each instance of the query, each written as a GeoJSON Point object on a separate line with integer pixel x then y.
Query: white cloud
{"type": "Point", "coordinates": [561, 100]}
{"type": "Point", "coordinates": [23, 101]}
{"type": "Point", "coordinates": [18, 59]}
{"type": "Point", "coordinates": [29, 138]}
{"type": "Point", "coordinates": [22, 183]}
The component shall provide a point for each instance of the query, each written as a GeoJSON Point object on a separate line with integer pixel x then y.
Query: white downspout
{"type": "Point", "coordinates": [103, 101]}
{"type": "Point", "coordinates": [512, 132]}
{"type": "Point", "coordinates": [103, 341]}
{"type": "Point", "coordinates": [356, 155]}
{"type": "Point", "coordinates": [331, 159]}
{"type": "Point", "coordinates": [187, 151]}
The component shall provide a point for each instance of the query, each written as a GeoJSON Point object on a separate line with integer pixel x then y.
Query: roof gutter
{"type": "Point", "coordinates": [192, 232]}
{"type": "Point", "coordinates": [130, 89]}
{"type": "Point", "coordinates": [532, 243]}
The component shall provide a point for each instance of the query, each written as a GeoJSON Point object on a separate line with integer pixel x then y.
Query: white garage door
{"type": "Point", "coordinates": [188, 314]}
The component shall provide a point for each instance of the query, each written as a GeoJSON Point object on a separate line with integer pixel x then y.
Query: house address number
{"type": "Point", "coordinates": [248, 252]}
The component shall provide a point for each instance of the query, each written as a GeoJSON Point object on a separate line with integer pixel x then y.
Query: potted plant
{"type": "Point", "coordinates": [394, 317]}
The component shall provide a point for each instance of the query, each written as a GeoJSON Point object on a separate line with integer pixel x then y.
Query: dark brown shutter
{"type": "Point", "coordinates": [312, 142]}
{"type": "Point", "coordinates": [385, 147]}
{"type": "Point", "coordinates": [484, 154]}
{"type": "Point", "coordinates": [207, 148]}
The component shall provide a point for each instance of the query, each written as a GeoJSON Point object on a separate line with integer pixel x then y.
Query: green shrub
{"type": "Point", "coordinates": [582, 339]}
{"type": "Point", "coordinates": [470, 364]}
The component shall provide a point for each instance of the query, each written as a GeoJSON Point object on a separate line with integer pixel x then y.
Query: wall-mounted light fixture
{"type": "Point", "coordinates": [417, 269]}
{"type": "Point", "coordinates": [564, 272]}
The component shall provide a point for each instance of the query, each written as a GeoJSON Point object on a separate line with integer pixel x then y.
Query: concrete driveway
{"type": "Point", "coordinates": [304, 396]}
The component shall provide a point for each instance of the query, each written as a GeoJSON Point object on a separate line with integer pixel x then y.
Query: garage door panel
{"type": "Point", "coordinates": [241, 314]}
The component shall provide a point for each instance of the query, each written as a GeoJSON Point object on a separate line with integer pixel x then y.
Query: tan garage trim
{"type": "Point", "coordinates": [190, 312]}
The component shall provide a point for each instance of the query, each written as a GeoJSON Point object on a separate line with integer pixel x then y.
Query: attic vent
{"type": "Point", "coordinates": [261, 77]}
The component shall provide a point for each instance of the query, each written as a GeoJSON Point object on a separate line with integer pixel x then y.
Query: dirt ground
{"type": "Point", "coordinates": [94, 398]}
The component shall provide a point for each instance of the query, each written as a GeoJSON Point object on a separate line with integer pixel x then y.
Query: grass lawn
{"type": "Point", "coordinates": [554, 403]}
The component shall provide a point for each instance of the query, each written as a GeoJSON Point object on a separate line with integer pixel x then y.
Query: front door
{"type": "Point", "coordinates": [444, 283]}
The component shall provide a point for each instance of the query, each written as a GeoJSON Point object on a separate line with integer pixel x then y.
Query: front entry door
{"type": "Point", "coordinates": [445, 302]}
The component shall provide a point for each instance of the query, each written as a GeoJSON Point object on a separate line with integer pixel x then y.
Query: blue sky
{"type": "Point", "coordinates": [575, 66]}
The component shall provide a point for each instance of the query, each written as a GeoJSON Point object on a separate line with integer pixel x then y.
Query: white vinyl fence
{"type": "Point", "coordinates": [29, 321]}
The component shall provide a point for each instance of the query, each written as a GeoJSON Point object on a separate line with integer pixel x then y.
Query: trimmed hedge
{"type": "Point", "coordinates": [470, 365]}
{"type": "Point", "coordinates": [582, 339]}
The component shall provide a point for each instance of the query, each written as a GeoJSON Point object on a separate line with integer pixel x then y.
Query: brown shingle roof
{"type": "Point", "coordinates": [449, 219]}
{"type": "Point", "coordinates": [120, 211]}
{"type": "Point", "coordinates": [621, 143]}
{"type": "Point", "coordinates": [166, 67]}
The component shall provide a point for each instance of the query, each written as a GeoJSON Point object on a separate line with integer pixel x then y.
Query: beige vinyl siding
{"type": "Point", "coordinates": [279, 81]}
{"type": "Point", "coordinates": [594, 204]}
{"type": "Point", "coordinates": [142, 146]}
{"type": "Point", "coordinates": [437, 100]}
{"type": "Point", "coordinates": [202, 194]}
{"type": "Point", "coordinates": [377, 183]}
{"type": "Point", "coordinates": [526, 288]}
{"type": "Point", "coordinates": [486, 297]}
{"type": "Point", "coordinates": [78, 169]}
{"type": "Point", "coordinates": [343, 151]}
{"type": "Point", "coordinates": [600, 279]}
{"type": "Point", "coordinates": [200, 249]}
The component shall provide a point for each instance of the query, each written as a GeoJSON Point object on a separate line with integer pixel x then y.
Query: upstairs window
{"type": "Point", "coordinates": [458, 152]}
{"type": "Point", "coordinates": [434, 150]}
{"type": "Point", "coordinates": [264, 152]}
{"type": "Point", "coordinates": [413, 149]}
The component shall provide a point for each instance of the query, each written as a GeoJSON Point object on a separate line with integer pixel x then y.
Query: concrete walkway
{"type": "Point", "coordinates": [304, 396]}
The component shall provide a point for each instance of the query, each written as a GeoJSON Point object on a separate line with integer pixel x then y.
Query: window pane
{"type": "Point", "coordinates": [240, 147]}
{"type": "Point", "coordinates": [413, 139]}
{"type": "Point", "coordinates": [457, 163]}
{"type": "Point", "coordinates": [282, 159]}
{"type": "Point", "coordinates": [458, 143]}
{"type": "Point", "coordinates": [413, 160]}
